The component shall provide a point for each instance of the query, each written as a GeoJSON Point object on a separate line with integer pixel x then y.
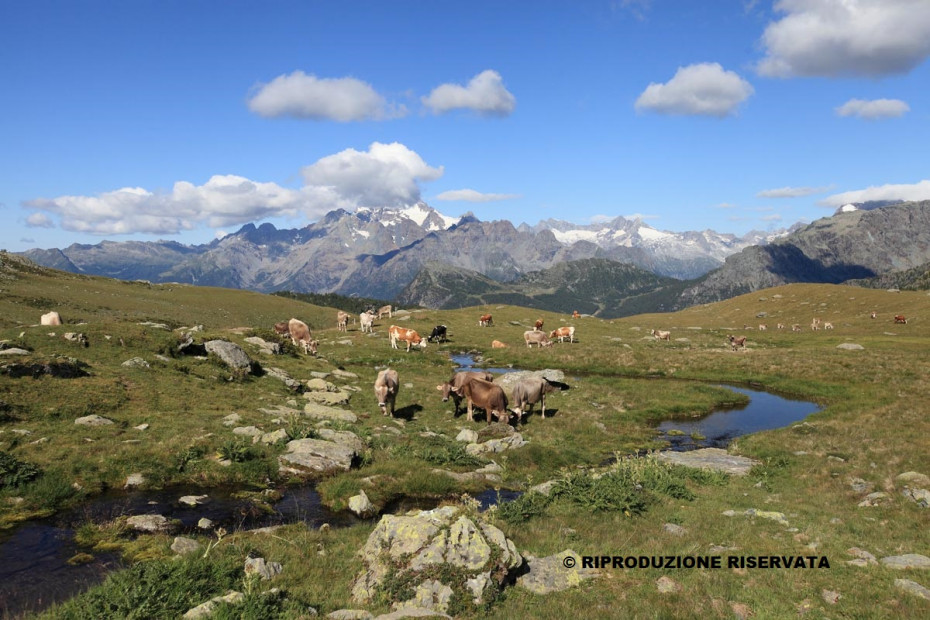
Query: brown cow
{"type": "Point", "coordinates": [451, 387]}
{"type": "Point", "coordinates": [538, 325]}
{"type": "Point", "coordinates": [497, 344]}
{"type": "Point", "coordinates": [300, 335]}
{"type": "Point", "coordinates": [576, 315]}
{"type": "Point", "coordinates": [342, 321]}
{"type": "Point", "coordinates": [485, 320]}
{"type": "Point", "coordinates": [563, 332]}
{"type": "Point", "coordinates": [485, 395]}
{"type": "Point", "coordinates": [532, 336]}
{"type": "Point", "coordinates": [899, 318]}
{"type": "Point", "coordinates": [386, 387]}
{"type": "Point", "coordinates": [530, 391]}
{"type": "Point", "coordinates": [737, 342]}
{"type": "Point", "coordinates": [281, 329]}
{"type": "Point", "coordinates": [409, 336]}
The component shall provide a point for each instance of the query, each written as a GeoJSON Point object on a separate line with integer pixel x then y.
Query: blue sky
{"type": "Point", "coordinates": [184, 120]}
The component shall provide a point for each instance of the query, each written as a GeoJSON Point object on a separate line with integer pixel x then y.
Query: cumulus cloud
{"type": "Point", "coordinates": [830, 38]}
{"type": "Point", "coordinates": [876, 108]}
{"type": "Point", "coordinates": [771, 218]}
{"type": "Point", "coordinates": [385, 175]}
{"type": "Point", "coordinates": [39, 220]}
{"type": "Point", "coordinates": [299, 95]}
{"type": "Point", "coordinates": [704, 89]}
{"type": "Point", "coordinates": [470, 195]}
{"type": "Point", "coordinates": [914, 191]}
{"type": "Point", "coordinates": [791, 192]}
{"type": "Point", "coordinates": [223, 200]}
{"type": "Point", "coordinates": [484, 94]}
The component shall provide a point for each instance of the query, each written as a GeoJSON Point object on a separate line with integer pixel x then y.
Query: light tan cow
{"type": "Point", "coordinates": [409, 336]}
{"type": "Point", "coordinates": [533, 336]}
{"type": "Point", "coordinates": [497, 344]}
{"type": "Point", "coordinates": [300, 335]}
{"type": "Point", "coordinates": [366, 320]}
{"type": "Point", "coordinates": [51, 318]}
{"type": "Point", "coordinates": [763, 327]}
{"type": "Point", "coordinates": [780, 326]}
{"type": "Point", "coordinates": [827, 325]}
{"type": "Point", "coordinates": [388, 310]}
{"type": "Point", "coordinates": [661, 335]}
{"type": "Point", "coordinates": [342, 321]}
{"type": "Point", "coordinates": [386, 387]}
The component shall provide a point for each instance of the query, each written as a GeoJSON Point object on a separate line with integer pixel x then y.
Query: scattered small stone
{"type": "Point", "coordinates": [248, 431]}
{"type": "Point", "coordinates": [136, 362]}
{"type": "Point", "coordinates": [912, 478]}
{"type": "Point", "coordinates": [913, 587]}
{"type": "Point", "coordinates": [232, 419]}
{"type": "Point", "coordinates": [149, 523]}
{"type": "Point", "coordinates": [194, 500]}
{"type": "Point", "coordinates": [674, 530]}
{"type": "Point", "coordinates": [850, 346]}
{"type": "Point", "coordinates": [205, 523]}
{"type": "Point", "coordinates": [265, 570]}
{"type": "Point", "coordinates": [830, 596]}
{"type": "Point", "coordinates": [921, 496]}
{"type": "Point", "coordinates": [873, 499]}
{"type": "Point", "coordinates": [93, 420]}
{"type": "Point", "coordinates": [184, 546]}
{"type": "Point", "coordinates": [908, 560]}
{"type": "Point", "coordinates": [141, 427]}
{"type": "Point", "coordinates": [205, 609]}
{"type": "Point", "coordinates": [836, 459]}
{"type": "Point", "coordinates": [134, 480]}
{"type": "Point", "coordinates": [467, 435]}
{"type": "Point", "coordinates": [361, 505]}
{"type": "Point", "coordinates": [667, 585]}
{"type": "Point", "coordinates": [860, 486]}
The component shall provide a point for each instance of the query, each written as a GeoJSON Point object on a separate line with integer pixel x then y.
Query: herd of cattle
{"type": "Point", "coordinates": [477, 388]}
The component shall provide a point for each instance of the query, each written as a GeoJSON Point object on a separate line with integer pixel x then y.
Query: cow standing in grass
{"type": "Point", "coordinates": [660, 335]}
{"type": "Point", "coordinates": [484, 395]}
{"type": "Point", "coordinates": [527, 392]}
{"type": "Point", "coordinates": [737, 342]}
{"type": "Point", "coordinates": [386, 388]}
{"type": "Point", "coordinates": [451, 387]}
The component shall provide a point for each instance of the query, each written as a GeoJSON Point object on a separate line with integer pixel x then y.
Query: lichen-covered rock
{"type": "Point", "coordinates": [205, 609]}
{"type": "Point", "coordinates": [361, 505]}
{"type": "Point", "coordinates": [150, 523]}
{"type": "Point", "coordinates": [310, 456]}
{"type": "Point", "coordinates": [553, 574]}
{"type": "Point", "coordinates": [230, 354]}
{"type": "Point", "coordinates": [261, 568]}
{"type": "Point", "coordinates": [320, 411]}
{"type": "Point", "coordinates": [465, 552]}
{"type": "Point", "coordinates": [93, 420]}
{"type": "Point", "coordinates": [184, 546]}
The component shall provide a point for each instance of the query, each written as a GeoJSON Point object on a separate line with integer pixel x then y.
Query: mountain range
{"type": "Point", "coordinates": [378, 252]}
{"type": "Point", "coordinates": [416, 255]}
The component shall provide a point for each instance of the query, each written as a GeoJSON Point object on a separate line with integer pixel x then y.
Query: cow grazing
{"type": "Point", "coordinates": [300, 334]}
{"type": "Point", "coordinates": [780, 326]}
{"type": "Point", "coordinates": [386, 387]}
{"type": "Point", "coordinates": [532, 336]}
{"type": "Point", "coordinates": [439, 334]}
{"type": "Point", "coordinates": [899, 318]}
{"type": "Point", "coordinates": [281, 329]}
{"type": "Point", "coordinates": [51, 318]}
{"type": "Point", "coordinates": [485, 320]}
{"type": "Point", "coordinates": [409, 336]}
{"type": "Point", "coordinates": [660, 335]}
{"type": "Point", "coordinates": [815, 324]}
{"type": "Point", "coordinates": [763, 327]}
{"type": "Point", "coordinates": [451, 387]}
{"type": "Point", "coordinates": [388, 310]}
{"type": "Point", "coordinates": [873, 315]}
{"type": "Point", "coordinates": [527, 392]}
{"type": "Point", "coordinates": [576, 315]}
{"type": "Point", "coordinates": [342, 321]}
{"type": "Point", "coordinates": [366, 320]}
{"type": "Point", "coordinates": [737, 342]}
{"type": "Point", "coordinates": [562, 333]}
{"type": "Point", "coordinates": [484, 395]}
{"type": "Point", "coordinates": [827, 325]}
{"type": "Point", "coordinates": [497, 344]}
{"type": "Point", "coordinates": [796, 327]}
{"type": "Point", "coordinates": [538, 325]}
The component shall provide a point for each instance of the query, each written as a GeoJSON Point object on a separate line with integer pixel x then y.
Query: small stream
{"type": "Point", "coordinates": [34, 572]}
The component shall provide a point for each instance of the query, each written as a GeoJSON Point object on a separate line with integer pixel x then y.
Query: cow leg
{"type": "Point", "coordinates": [543, 401]}
{"type": "Point", "coordinates": [470, 418]}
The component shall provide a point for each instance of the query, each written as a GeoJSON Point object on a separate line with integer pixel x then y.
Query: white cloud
{"type": "Point", "coordinates": [771, 218]}
{"type": "Point", "coordinates": [484, 94]}
{"type": "Point", "coordinates": [704, 89]}
{"type": "Point", "coordinates": [915, 191]}
{"type": "Point", "coordinates": [299, 95]}
{"type": "Point", "coordinates": [39, 220]}
{"type": "Point", "coordinates": [638, 8]}
{"type": "Point", "coordinates": [470, 195]}
{"type": "Point", "coordinates": [726, 205]}
{"type": "Point", "coordinates": [222, 201]}
{"type": "Point", "coordinates": [846, 37]}
{"type": "Point", "coordinates": [876, 108]}
{"type": "Point", "coordinates": [791, 192]}
{"type": "Point", "coordinates": [385, 175]}
{"type": "Point", "coordinates": [641, 216]}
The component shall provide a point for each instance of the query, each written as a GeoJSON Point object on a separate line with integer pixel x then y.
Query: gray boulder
{"type": "Point", "coordinates": [420, 544]}
{"type": "Point", "coordinates": [552, 573]}
{"type": "Point", "coordinates": [261, 568]}
{"type": "Point", "coordinates": [715, 459]}
{"type": "Point", "coordinates": [185, 546]}
{"type": "Point", "coordinates": [93, 420]}
{"type": "Point", "coordinates": [230, 354]}
{"type": "Point", "coordinates": [315, 456]}
{"type": "Point", "coordinates": [150, 523]}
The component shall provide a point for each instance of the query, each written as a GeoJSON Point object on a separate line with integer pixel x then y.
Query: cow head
{"type": "Point", "coordinates": [446, 390]}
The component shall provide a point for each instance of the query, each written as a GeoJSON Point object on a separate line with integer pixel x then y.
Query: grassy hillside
{"type": "Point", "coordinates": [873, 427]}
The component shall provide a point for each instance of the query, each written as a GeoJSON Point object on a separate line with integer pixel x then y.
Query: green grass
{"type": "Point", "coordinates": [622, 382]}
